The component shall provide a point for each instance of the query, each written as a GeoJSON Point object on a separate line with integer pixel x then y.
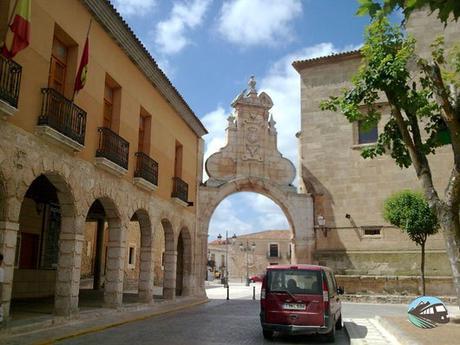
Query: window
{"type": "Point", "coordinates": [372, 231]}
{"type": "Point", "coordinates": [58, 66]}
{"type": "Point", "coordinates": [144, 133]}
{"type": "Point", "coordinates": [222, 260]}
{"type": "Point", "coordinates": [273, 250]}
{"type": "Point", "coordinates": [111, 112]}
{"type": "Point", "coordinates": [131, 256]}
{"type": "Point", "coordinates": [108, 107]}
{"type": "Point", "coordinates": [178, 160]}
{"type": "Point", "coordinates": [367, 135]}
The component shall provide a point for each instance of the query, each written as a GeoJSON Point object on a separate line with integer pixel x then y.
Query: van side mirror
{"type": "Point", "coordinates": [340, 290]}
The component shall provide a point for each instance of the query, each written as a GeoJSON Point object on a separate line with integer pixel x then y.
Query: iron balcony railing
{"type": "Point", "coordinates": [147, 168]}
{"type": "Point", "coordinates": [180, 189]}
{"type": "Point", "coordinates": [10, 81]}
{"type": "Point", "coordinates": [113, 147]}
{"type": "Point", "coordinates": [63, 115]}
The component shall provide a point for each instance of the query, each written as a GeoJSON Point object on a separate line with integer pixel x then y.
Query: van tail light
{"type": "Point", "coordinates": [262, 298]}
{"type": "Point", "coordinates": [325, 296]}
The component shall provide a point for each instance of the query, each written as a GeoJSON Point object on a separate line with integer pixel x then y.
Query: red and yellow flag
{"type": "Point", "coordinates": [18, 36]}
{"type": "Point", "coordinates": [80, 79]}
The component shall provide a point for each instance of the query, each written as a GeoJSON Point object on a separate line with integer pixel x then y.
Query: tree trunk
{"type": "Point", "coordinates": [451, 232]}
{"type": "Point", "coordinates": [422, 268]}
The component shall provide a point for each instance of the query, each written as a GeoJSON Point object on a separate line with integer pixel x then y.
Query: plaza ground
{"type": "Point", "coordinates": [234, 321]}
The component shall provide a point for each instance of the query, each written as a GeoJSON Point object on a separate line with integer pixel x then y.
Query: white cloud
{"type": "Point", "coordinates": [258, 22]}
{"type": "Point", "coordinates": [134, 7]}
{"type": "Point", "coordinates": [170, 35]}
{"type": "Point", "coordinates": [215, 122]}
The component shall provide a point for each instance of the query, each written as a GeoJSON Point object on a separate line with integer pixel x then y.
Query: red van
{"type": "Point", "coordinates": [300, 299]}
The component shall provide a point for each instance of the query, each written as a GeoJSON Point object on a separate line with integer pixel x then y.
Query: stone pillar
{"type": "Point", "coordinates": [304, 252]}
{"type": "Point", "coordinates": [71, 241]}
{"type": "Point", "coordinates": [169, 279]}
{"type": "Point", "coordinates": [113, 290]}
{"type": "Point", "coordinates": [201, 263]}
{"type": "Point", "coordinates": [8, 239]}
{"type": "Point", "coordinates": [98, 256]}
{"type": "Point", "coordinates": [146, 273]}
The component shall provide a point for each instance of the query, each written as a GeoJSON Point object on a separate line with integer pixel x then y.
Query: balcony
{"type": "Point", "coordinates": [112, 153]}
{"type": "Point", "coordinates": [62, 121]}
{"type": "Point", "coordinates": [180, 192]}
{"type": "Point", "coordinates": [10, 82]}
{"type": "Point", "coordinates": [146, 173]}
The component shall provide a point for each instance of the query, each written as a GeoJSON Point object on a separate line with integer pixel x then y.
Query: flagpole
{"type": "Point", "coordinates": [87, 35]}
{"type": "Point", "coordinates": [10, 20]}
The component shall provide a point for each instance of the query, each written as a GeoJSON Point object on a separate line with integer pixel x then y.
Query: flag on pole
{"type": "Point", "coordinates": [18, 35]}
{"type": "Point", "coordinates": [80, 79]}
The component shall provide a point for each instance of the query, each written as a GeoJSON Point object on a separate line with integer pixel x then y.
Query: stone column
{"type": "Point", "coordinates": [201, 261]}
{"type": "Point", "coordinates": [113, 290]}
{"type": "Point", "coordinates": [146, 273]}
{"type": "Point", "coordinates": [8, 239]}
{"type": "Point", "coordinates": [169, 279]}
{"type": "Point", "coordinates": [71, 241]}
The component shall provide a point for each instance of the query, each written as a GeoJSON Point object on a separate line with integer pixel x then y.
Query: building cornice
{"type": "Point", "coordinates": [322, 60]}
{"type": "Point", "coordinates": [112, 22]}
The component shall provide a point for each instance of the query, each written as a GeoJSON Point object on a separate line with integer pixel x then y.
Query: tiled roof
{"type": "Point", "coordinates": [114, 24]}
{"type": "Point", "coordinates": [301, 64]}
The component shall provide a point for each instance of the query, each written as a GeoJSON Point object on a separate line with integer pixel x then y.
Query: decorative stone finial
{"type": "Point", "coordinates": [252, 85]}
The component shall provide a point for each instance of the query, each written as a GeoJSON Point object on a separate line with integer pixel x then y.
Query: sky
{"type": "Point", "coordinates": [210, 48]}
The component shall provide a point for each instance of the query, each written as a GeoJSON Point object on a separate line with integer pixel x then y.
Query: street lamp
{"type": "Point", "coordinates": [226, 253]}
{"type": "Point", "coordinates": [247, 248]}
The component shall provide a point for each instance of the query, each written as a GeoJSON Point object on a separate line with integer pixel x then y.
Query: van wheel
{"type": "Point", "coordinates": [268, 334]}
{"type": "Point", "coordinates": [339, 324]}
{"type": "Point", "coordinates": [330, 337]}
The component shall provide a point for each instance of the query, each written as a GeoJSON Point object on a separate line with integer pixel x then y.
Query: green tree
{"type": "Point", "coordinates": [445, 8]}
{"type": "Point", "coordinates": [425, 114]}
{"type": "Point", "coordinates": [410, 212]}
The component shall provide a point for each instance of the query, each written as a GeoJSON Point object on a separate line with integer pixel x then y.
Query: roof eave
{"type": "Point", "coordinates": [302, 64]}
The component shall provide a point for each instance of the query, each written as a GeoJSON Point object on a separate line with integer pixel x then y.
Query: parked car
{"type": "Point", "coordinates": [256, 278]}
{"type": "Point", "coordinates": [300, 299]}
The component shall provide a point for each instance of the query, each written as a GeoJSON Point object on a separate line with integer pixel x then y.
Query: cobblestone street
{"type": "Point", "coordinates": [217, 322]}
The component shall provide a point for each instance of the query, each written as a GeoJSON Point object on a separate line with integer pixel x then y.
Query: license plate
{"type": "Point", "coordinates": [294, 306]}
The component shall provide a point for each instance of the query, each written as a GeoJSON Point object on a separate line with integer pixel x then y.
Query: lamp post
{"type": "Point", "coordinates": [247, 248]}
{"type": "Point", "coordinates": [226, 253]}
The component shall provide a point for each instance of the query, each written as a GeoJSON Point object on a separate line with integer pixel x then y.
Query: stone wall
{"type": "Point", "coordinates": [348, 190]}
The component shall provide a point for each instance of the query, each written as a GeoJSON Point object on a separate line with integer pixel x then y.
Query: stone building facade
{"type": "Point", "coordinates": [101, 186]}
{"type": "Point", "coordinates": [270, 247]}
{"type": "Point", "coordinates": [349, 191]}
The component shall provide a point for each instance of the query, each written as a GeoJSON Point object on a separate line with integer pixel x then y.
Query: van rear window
{"type": "Point", "coordinates": [294, 281]}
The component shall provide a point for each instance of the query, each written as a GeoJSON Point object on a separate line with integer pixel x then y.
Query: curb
{"type": "Point", "coordinates": [396, 332]}
{"type": "Point", "coordinates": [88, 330]}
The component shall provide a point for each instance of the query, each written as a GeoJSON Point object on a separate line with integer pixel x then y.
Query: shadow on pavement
{"type": "Point", "coordinates": [355, 331]}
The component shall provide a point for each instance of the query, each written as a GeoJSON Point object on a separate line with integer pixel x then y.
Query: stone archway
{"type": "Point", "coordinates": [251, 162]}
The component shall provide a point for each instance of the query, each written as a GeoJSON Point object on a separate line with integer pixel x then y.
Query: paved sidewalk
{"type": "Point", "coordinates": [408, 334]}
{"type": "Point", "coordinates": [96, 321]}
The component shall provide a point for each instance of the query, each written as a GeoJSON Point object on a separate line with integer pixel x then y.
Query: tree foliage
{"type": "Point", "coordinates": [410, 212]}
{"type": "Point", "coordinates": [445, 8]}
